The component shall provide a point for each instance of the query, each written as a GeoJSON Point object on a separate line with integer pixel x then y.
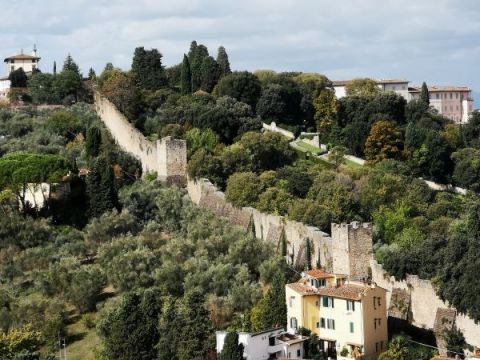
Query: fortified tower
{"type": "Point", "coordinates": [352, 249]}
{"type": "Point", "coordinates": [172, 160]}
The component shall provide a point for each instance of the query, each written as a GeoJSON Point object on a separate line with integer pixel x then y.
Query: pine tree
{"type": "Point", "coordinates": [275, 306]}
{"type": "Point", "coordinates": [108, 67]}
{"type": "Point", "coordinates": [186, 76]}
{"type": "Point", "coordinates": [91, 74]}
{"type": "Point", "coordinates": [308, 255]}
{"type": "Point", "coordinates": [101, 192]}
{"type": "Point", "coordinates": [70, 65]}
{"type": "Point", "coordinates": [196, 339]}
{"type": "Point", "coordinates": [93, 141]}
{"type": "Point", "coordinates": [210, 73]}
{"type": "Point", "coordinates": [424, 94]}
{"type": "Point", "coordinates": [232, 350]}
{"type": "Point", "coordinates": [222, 60]}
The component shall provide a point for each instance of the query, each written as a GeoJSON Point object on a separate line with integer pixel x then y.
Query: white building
{"type": "Point", "coordinates": [399, 87]}
{"type": "Point", "coordinates": [266, 344]}
{"type": "Point", "coordinates": [28, 63]}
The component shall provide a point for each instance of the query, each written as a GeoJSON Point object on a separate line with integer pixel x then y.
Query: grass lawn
{"type": "Point", "coordinates": [352, 164]}
{"type": "Point", "coordinates": [81, 341]}
{"type": "Point", "coordinates": [303, 146]}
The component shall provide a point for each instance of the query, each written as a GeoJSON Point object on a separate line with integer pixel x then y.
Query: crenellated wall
{"type": "Point", "coordinates": [269, 227]}
{"type": "Point", "coordinates": [167, 157]}
{"type": "Point", "coordinates": [424, 302]}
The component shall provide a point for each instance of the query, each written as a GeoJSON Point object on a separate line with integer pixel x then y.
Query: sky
{"type": "Point", "coordinates": [437, 41]}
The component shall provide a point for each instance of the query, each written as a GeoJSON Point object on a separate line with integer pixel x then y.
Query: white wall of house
{"type": "Point", "coordinates": [4, 87]}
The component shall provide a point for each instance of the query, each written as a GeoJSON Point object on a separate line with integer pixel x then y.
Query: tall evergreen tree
{"type": "Point", "coordinates": [70, 65]}
{"type": "Point", "coordinates": [196, 57]}
{"type": "Point", "coordinates": [232, 350]}
{"type": "Point", "coordinates": [283, 240]}
{"type": "Point", "coordinates": [170, 325]}
{"type": "Point", "coordinates": [186, 76]}
{"type": "Point", "coordinates": [196, 336]}
{"type": "Point", "coordinates": [424, 95]}
{"type": "Point", "coordinates": [91, 74]}
{"type": "Point", "coordinates": [54, 68]}
{"type": "Point", "coordinates": [210, 73]}
{"type": "Point", "coordinates": [308, 254]}
{"type": "Point", "coordinates": [275, 313]}
{"type": "Point", "coordinates": [101, 192]}
{"type": "Point", "coordinates": [93, 141]}
{"type": "Point", "coordinates": [108, 67]}
{"type": "Point", "coordinates": [147, 69]}
{"type": "Point", "coordinates": [222, 60]}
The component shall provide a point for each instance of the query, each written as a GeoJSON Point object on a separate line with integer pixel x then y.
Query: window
{"type": "Point", "coordinates": [378, 301]}
{"type": "Point", "coordinates": [456, 95]}
{"type": "Point", "coordinates": [322, 323]}
{"type": "Point", "coordinates": [374, 303]}
{"type": "Point", "coordinates": [451, 96]}
{"type": "Point", "coordinates": [298, 353]}
{"type": "Point", "coordinates": [351, 327]}
{"type": "Point", "coordinates": [437, 96]}
{"type": "Point", "coordinates": [327, 302]}
{"type": "Point", "coordinates": [331, 324]}
{"type": "Point", "coordinates": [350, 305]}
{"type": "Point", "coordinates": [377, 322]}
{"type": "Point", "coordinates": [318, 325]}
{"type": "Point", "coordinates": [291, 301]}
{"type": "Point", "coordinates": [293, 323]}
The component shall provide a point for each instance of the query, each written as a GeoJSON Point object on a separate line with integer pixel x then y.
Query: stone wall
{"type": "Point", "coordinates": [167, 157]}
{"type": "Point", "coordinates": [352, 249]}
{"type": "Point", "coordinates": [268, 227]}
{"type": "Point", "coordinates": [425, 305]}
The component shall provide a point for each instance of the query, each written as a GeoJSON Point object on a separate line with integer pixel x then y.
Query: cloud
{"type": "Point", "coordinates": [432, 40]}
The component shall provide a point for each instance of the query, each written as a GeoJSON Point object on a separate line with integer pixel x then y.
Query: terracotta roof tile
{"type": "Point", "coordinates": [302, 289]}
{"type": "Point", "coordinates": [21, 57]}
{"type": "Point", "coordinates": [347, 291]}
{"type": "Point", "coordinates": [319, 274]}
{"type": "Point", "coordinates": [415, 89]}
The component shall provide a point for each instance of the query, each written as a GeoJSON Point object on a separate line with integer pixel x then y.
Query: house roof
{"type": "Point", "coordinates": [303, 289]}
{"type": "Point", "coordinates": [291, 339]}
{"type": "Point", "coordinates": [319, 274]}
{"type": "Point", "coordinates": [379, 81]}
{"type": "Point", "coordinates": [21, 57]}
{"type": "Point", "coordinates": [416, 89]}
{"type": "Point", "coordinates": [346, 291]}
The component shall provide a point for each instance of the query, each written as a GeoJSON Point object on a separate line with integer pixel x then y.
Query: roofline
{"type": "Point", "coordinates": [29, 57]}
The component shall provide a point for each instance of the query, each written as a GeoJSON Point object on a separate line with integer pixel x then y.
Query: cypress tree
{"type": "Point", "coordinates": [93, 141]}
{"type": "Point", "coordinates": [54, 68]}
{"type": "Point", "coordinates": [18, 78]}
{"type": "Point", "coordinates": [147, 69]}
{"type": "Point", "coordinates": [283, 240]}
{"type": "Point", "coordinates": [196, 339]}
{"type": "Point", "coordinates": [232, 350]}
{"type": "Point", "coordinates": [308, 255]}
{"type": "Point", "coordinates": [91, 74]}
{"type": "Point", "coordinates": [222, 60]}
{"type": "Point", "coordinates": [210, 73]}
{"type": "Point", "coordinates": [424, 95]}
{"type": "Point", "coordinates": [196, 61]}
{"type": "Point", "coordinates": [101, 192]}
{"type": "Point", "coordinates": [170, 325]}
{"type": "Point", "coordinates": [275, 305]}
{"type": "Point", "coordinates": [186, 76]}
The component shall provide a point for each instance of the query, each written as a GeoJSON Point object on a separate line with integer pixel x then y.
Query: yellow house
{"type": "Point", "coordinates": [349, 317]}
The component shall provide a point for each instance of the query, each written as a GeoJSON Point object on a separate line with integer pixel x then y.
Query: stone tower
{"type": "Point", "coordinates": [352, 249]}
{"type": "Point", "coordinates": [172, 160]}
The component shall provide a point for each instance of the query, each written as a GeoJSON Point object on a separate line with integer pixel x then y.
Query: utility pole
{"type": "Point", "coordinates": [62, 344]}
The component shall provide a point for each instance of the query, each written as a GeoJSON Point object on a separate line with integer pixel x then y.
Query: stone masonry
{"type": "Point", "coordinates": [352, 249]}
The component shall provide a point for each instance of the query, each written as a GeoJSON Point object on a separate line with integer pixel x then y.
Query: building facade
{"type": "Point", "coordinates": [263, 345]}
{"type": "Point", "coordinates": [29, 63]}
{"type": "Point", "coordinates": [349, 317]}
{"type": "Point", "coordinates": [453, 102]}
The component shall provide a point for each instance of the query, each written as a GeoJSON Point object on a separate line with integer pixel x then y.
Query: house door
{"type": "Point", "coordinates": [332, 350]}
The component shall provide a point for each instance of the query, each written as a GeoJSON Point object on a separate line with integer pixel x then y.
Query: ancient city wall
{"type": "Point", "coordinates": [424, 302]}
{"type": "Point", "coordinates": [167, 157]}
{"type": "Point", "coordinates": [268, 227]}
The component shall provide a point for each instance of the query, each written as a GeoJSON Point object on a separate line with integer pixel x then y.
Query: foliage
{"type": "Point", "coordinates": [424, 95]}
{"type": "Point", "coordinates": [383, 142]}
{"type": "Point", "coordinates": [232, 349]}
{"type": "Point", "coordinates": [186, 76]}
{"type": "Point", "coordinates": [24, 339]}
{"type": "Point", "coordinates": [243, 189]}
{"type": "Point", "coordinates": [325, 112]}
{"type": "Point", "coordinates": [93, 141]}
{"type": "Point", "coordinates": [223, 62]}
{"type": "Point", "coordinates": [467, 168]}
{"type": "Point", "coordinates": [455, 341]}
{"type": "Point", "coordinates": [362, 87]}
{"type": "Point", "coordinates": [200, 139]}
{"type": "Point", "coordinates": [129, 330]}
{"type": "Point", "coordinates": [147, 69]}
{"type": "Point", "coordinates": [243, 86]}
{"type": "Point", "coordinates": [18, 78]}
{"type": "Point", "coordinates": [102, 194]}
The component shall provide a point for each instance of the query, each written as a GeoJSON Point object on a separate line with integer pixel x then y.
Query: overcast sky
{"type": "Point", "coordinates": [433, 40]}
